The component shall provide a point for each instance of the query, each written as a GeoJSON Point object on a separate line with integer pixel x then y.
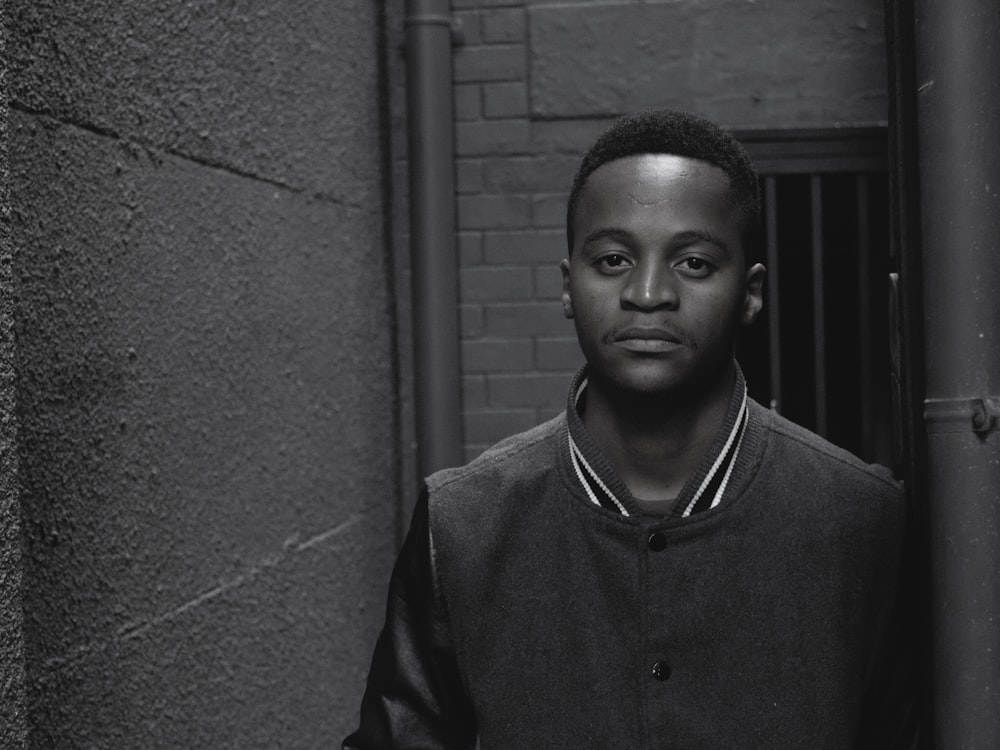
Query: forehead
{"type": "Point", "coordinates": [661, 184]}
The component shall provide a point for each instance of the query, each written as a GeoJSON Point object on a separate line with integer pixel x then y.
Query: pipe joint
{"type": "Point", "coordinates": [981, 415]}
{"type": "Point", "coordinates": [452, 23]}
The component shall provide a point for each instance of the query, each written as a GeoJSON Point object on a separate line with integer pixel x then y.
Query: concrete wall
{"type": "Point", "coordinates": [12, 709]}
{"type": "Point", "coordinates": [204, 368]}
{"type": "Point", "coordinates": [536, 80]}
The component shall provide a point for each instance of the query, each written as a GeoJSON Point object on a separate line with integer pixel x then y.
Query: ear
{"type": "Point", "coordinates": [753, 300]}
{"type": "Point", "coordinates": [567, 299]}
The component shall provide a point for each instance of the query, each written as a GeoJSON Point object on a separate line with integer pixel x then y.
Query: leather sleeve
{"type": "Point", "coordinates": [892, 716]}
{"type": "Point", "coordinates": [415, 696]}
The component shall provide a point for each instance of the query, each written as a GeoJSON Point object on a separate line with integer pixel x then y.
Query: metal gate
{"type": "Point", "coordinates": [820, 352]}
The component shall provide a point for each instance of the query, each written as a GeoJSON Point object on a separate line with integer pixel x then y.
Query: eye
{"type": "Point", "coordinates": [695, 267]}
{"type": "Point", "coordinates": [613, 263]}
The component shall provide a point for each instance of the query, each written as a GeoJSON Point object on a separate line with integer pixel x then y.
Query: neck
{"type": "Point", "coordinates": [655, 442]}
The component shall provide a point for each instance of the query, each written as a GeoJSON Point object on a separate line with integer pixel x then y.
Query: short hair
{"type": "Point", "coordinates": [679, 134]}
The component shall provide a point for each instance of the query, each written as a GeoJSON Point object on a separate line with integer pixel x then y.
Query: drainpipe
{"type": "Point", "coordinates": [957, 78]}
{"type": "Point", "coordinates": [433, 261]}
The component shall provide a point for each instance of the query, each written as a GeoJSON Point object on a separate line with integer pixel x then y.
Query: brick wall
{"type": "Point", "coordinates": [518, 351]}
{"type": "Point", "coordinates": [536, 80]}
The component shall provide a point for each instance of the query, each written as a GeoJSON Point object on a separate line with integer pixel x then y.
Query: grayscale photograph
{"type": "Point", "coordinates": [500, 375]}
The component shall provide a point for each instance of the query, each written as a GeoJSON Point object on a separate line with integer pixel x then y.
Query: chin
{"type": "Point", "coordinates": [657, 379]}
{"type": "Point", "coordinates": [646, 381]}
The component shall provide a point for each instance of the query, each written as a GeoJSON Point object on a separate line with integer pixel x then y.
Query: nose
{"type": "Point", "coordinates": [650, 286]}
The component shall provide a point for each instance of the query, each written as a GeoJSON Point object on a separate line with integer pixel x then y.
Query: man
{"type": "Point", "coordinates": [667, 564]}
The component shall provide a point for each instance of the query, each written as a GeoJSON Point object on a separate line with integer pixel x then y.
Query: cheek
{"type": "Point", "coordinates": [719, 316]}
{"type": "Point", "coordinates": [591, 299]}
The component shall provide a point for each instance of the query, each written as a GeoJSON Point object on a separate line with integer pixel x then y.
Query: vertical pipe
{"type": "Point", "coordinates": [819, 314]}
{"type": "Point", "coordinates": [434, 272]}
{"type": "Point", "coordinates": [957, 51]}
{"type": "Point", "coordinates": [906, 348]}
{"type": "Point", "coordinates": [867, 405]}
{"type": "Point", "coordinates": [773, 289]}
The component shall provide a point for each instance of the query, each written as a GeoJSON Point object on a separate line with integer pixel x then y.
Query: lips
{"type": "Point", "coordinates": [646, 339]}
{"type": "Point", "coordinates": [646, 333]}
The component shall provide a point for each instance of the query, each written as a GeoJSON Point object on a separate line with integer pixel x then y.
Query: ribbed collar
{"type": "Point", "coordinates": [709, 486]}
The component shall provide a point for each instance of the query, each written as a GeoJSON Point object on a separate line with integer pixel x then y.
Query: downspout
{"type": "Point", "coordinates": [957, 75]}
{"type": "Point", "coordinates": [433, 261]}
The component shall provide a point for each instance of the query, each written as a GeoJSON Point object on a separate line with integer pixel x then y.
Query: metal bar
{"type": "Point", "coordinates": [819, 315]}
{"type": "Point", "coordinates": [773, 289]}
{"type": "Point", "coordinates": [867, 400]}
{"type": "Point", "coordinates": [957, 63]}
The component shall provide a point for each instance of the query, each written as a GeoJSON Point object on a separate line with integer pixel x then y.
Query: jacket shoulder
{"type": "Point", "coordinates": [519, 456]}
{"type": "Point", "coordinates": [805, 450]}
{"type": "Point", "coordinates": [508, 480]}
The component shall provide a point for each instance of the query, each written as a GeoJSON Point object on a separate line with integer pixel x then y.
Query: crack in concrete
{"type": "Point", "coordinates": [321, 196]}
{"type": "Point", "coordinates": [133, 630]}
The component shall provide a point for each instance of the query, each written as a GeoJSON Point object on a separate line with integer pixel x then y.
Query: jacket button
{"type": "Point", "coordinates": [656, 541]}
{"type": "Point", "coordinates": [661, 671]}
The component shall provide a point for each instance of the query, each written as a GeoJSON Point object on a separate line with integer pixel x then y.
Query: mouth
{"type": "Point", "coordinates": [647, 339]}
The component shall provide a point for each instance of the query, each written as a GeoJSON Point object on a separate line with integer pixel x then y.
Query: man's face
{"type": "Point", "coordinates": [656, 284]}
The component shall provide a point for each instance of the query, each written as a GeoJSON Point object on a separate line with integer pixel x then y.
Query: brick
{"type": "Point", "coordinates": [548, 210]}
{"type": "Point", "coordinates": [560, 354]}
{"type": "Point", "coordinates": [457, 4]}
{"type": "Point", "coordinates": [525, 319]}
{"type": "Point", "coordinates": [468, 176]}
{"type": "Point", "coordinates": [493, 211]}
{"type": "Point", "coordinates": [511, 136]}
{"type": "Point", "coordinates": [532, 246]}
{"type": "Point", "coordinates": [497, 355]}
{"type": "Point", "coordinates": [471, 321]}
{"type": "Point", "coordinates": [521, 390]}
{"type": "Point", "coordinates": [548, 282]}
{"type": "Point", "coordinates": [754, 70]}
{"type": "Point", "coordinates": [495, 283]}
{"type": "Point", "coordinates": [470, 249]}
{"type": "Point", "coordinates": [468, 102]}
{"type": "Point", "coordinates": [505, 99]}
{"type": "Point", "coordinates": [497, 62]}
{"type": "Point", "coordinates": [506, 25]}
{"type": "Point", "coordinates": [566, 136]}
{"type": "Point", "coordinates": [492, 426]}
{"type": "Point", "coordinates": [530, 174]}
{"type": "Point", "coordinates": [469, 27]}
{"type": "Point", "coordinates": [473, 391]}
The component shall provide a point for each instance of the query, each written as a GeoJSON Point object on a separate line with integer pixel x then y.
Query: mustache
{"type": "Point", "coordinates": [664, 332]}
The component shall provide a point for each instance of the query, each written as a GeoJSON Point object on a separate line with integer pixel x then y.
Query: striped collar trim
{"type": "Point", "coordinates": [711, 489]}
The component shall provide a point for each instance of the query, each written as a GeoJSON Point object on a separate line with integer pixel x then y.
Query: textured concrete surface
{"type": "Point", "coordinates": [764, 64]}
{"type": "Point", "coordinates": [12, 706]}
{"type": "Point", "coordinates": [205, 369]}
{"type": "Point", "coordinates": [271, 89]}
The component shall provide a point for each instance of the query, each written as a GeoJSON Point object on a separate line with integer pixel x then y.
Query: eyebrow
{"type": "Point", "coordinates": [687, 237]}
{"type": "Point", "coordinates": [611, 233]}
{"type": "Point", "coordinates": [691, 236]}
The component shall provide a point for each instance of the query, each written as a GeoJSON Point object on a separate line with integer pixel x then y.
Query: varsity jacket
{"type": "Point", "coordinates": [529, 610]}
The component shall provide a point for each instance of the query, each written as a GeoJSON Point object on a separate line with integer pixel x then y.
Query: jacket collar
{"type": "Point", "coordinates": [706, 488]}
